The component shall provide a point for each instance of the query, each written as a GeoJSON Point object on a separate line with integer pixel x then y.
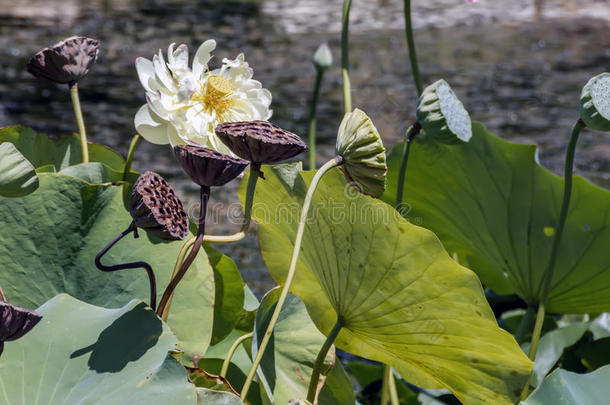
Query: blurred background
{"type": "Point", "coordinates": [517, 65]}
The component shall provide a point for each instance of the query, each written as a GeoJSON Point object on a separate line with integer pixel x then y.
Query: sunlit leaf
{"type": "Point", "coordinates": [402, 299]}
{"type": "Point", "coordinates": [494, 206]}
{"type": "Point", "coordinates": [80, 353]}
{"type": "Point", "coordinates": [17, 175]}
{"type": "Point", "coordinates": [52, 236]}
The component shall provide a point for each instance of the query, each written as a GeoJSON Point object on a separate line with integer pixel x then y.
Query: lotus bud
{"type": "Point", "coordinates": [323, 58]}
{"type": "Point", "coordinates": [206, 167]}
{"type": "Point", "coordinates": [65, 62]}
{"type": "Point", "coordinates": [15, 322]}
{"type": "Point", "coordinates": [442, 115]}
{"type": "Point", "coordinates": [595, 103]}
{"type": "Point", "coordinates": [155, 207]}
{"type": "Point", "coordinates": [361, 148]}
{"type": "Point", "coordinates": [260, 141]}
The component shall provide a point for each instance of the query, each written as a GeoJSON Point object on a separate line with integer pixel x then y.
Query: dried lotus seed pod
{"type": "Point", "coordinates": [15, 322]}
{"type": "Point", "coordinates": [206, 167]}
{"type": "Point", "coordinates": [442, 115]}
{"type": "Point", "coordinates": [260, 141]}
{"type": "Point", "coordinates": [65, 62]}
{"type": "Point", "coordinates": [595, 103]}
{"type": "Point", "coordinates": [155, 207]}
{"type": "Point", "coordinates": [360, 146]}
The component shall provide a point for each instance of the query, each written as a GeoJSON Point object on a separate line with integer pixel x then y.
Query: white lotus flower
{"type": "Point", "coordinates": [184, 105]}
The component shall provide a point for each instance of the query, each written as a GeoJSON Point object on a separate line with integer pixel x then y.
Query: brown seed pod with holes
{"type": "Point", "coordinates": [15, 322]}
{"type": "Point", "coordinates": [155, 207]}
{"type": "Point", "coordinates": [207, 167]}
{"type": "Point", "coordinates": [65, 62]}
{"type": "Point", "coordinates": [260, 141]}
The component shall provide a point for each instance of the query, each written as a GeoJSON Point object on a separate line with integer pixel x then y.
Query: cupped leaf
{"type": "Point", "coordinates": [287, 364]}
{"type": "Point", "coordinates": [567, 388]}
{"type": "Point", "coordinates": [17, 175]}
{"type": "Point", "coordinates": [202, 378]}
{"type": "Point", "coordinates": [49, 240]}
{"type": "Point", "coordinates": [80, 353]}
{"type": "Point", "coordinates": [229, 297]}
{"type": "Point", "coordinates": [402, 299]}
{"type": "Point", "coordinates": [495, 207]}
{"type": "Point", "coordinates": [42, 150]}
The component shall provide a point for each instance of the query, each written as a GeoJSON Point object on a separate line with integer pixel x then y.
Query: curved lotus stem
{"type": "Point", "coordinates": [291, 271]}
{"type": "Point", "coordinates": [313, 119]}
{"type": "Point", "coordinates": [169, 290]}
{"type": "Point", "coordinates": [79, 121]}
{"type": "Point", "coordinates": [317, 367]}
{"type": "Point", "coordinates": [130, 153]}
{"type": "Point", "coordinates": [232, 349]}
{"type": "Point", "coordinates": [151, 275]}
{"type": "Point", "coordinates": [402, 172]}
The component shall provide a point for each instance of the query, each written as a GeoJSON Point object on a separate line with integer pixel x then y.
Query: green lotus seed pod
{"type": "Point", "coordinates": [442, 115]}
{"type": "Point", "coordinates": [595, 103]}
{"type": "Point", "coordinates": [360, 146]}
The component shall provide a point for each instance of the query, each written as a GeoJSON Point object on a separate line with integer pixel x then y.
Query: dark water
{"type": "Point", "coordinates": [520, 76]}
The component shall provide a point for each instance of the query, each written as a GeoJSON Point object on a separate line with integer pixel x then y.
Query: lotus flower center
{"type": "Point", "coordinates": [215, 94]}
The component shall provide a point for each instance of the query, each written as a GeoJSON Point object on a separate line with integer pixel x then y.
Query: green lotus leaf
{"type": "Point", "coordinates": [287, 364]}
{"type": "Point", "coordinates": [360, 146]}
{"type": "Point", "coordinates": [442, 115]}
{"type": "Point", "coordinates": [42, 150]}
{"type": "Point", "coordinates": [229, 296]}
{"type": "Point", "coordinates": [97, 173]}
{"type": "Point", "coordinates": [495, 208]}
{"type": "Point", "coordinates": [595, 102]}
{"type": "Point", "coordinates": [49, 240]}
{"type": "Point", "coordinates": [109, 356]}
{"type": "Point", "coordinates": [551, 348]}
{"type": "Point", "coordinates": [567, 388]}
{"type": "Point", "coordinates": [207, 396]}
{"type": "Point", "coordinates": [17, 175]}
{"type": "Point", "coordinates": [402, 299]}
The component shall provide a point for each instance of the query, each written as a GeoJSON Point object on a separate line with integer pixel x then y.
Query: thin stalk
{"type": "Point", "coordinates": [392, 388]}
{"type": "Point", "coordinates": [388, 387]}
{"type": "Point", "coordinates": [204, 196]}
{"type": "Point", "coordinates": [385, 394]}
{"type": "Point", "coordinates": [411, 133]}
{"type": "Point", "coordinates": [411, 45]}
{"type": "Point", "coordinates": [312, 119]}
{"type": "Point", "coordinates": [79, 121]}
{"type": "Point", "coordinates": [347, 89]}
{"type": "Point", "coordinates": [189, 243]}
{"type": "Point", "coordinates": [291, 271]}
{"type": "Point", "coordinates": [317, 366]}
{"type": "Point", "coordinates": [255, 173]}
{"type": "Point", "coordinates": [525, 324]}
{"type": "Point", "coordinates": [232, 349]}
{"type": "Point", "coordinates": [548, 275]}
{"type": "Point", "coordinates": [135, 265]}
{"type": "Point", "coordinates": [130, 153]}
{"type": "Point", "coordinates": [534, 346]}
{"type": "Point", "coordinates": [2, 296]}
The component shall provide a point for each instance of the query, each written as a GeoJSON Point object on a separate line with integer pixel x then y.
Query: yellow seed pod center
{"type": "Point", "coordinates": [216, 94]}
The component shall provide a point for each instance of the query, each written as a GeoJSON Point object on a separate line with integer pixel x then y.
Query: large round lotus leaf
{"type": "Point", "coordinates": [287, 364]}
{"type": "Point", "coordinates": [567, 388]}
{"type": "Point", "coordinates": [42, 150]}
{"type": "Point", "coordinates": [80, 353]}
{"type": "Point", "coordinates": [403, 300]}
{"type": "Point", "coordinates": [17, 175]}
{"type": "Point", "coordinates": [48, 242]}
{"type": "Point", "coordinates": [494, 206]}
